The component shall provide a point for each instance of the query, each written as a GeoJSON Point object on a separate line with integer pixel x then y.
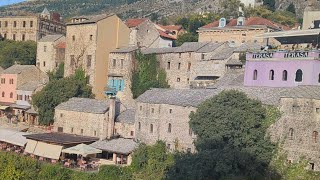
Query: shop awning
{"type": "Point", "coordinates": [31, 146]}
{"type": "Point", "coordinates": [3, 107]}
{"type": "Point", "coordinates": [82, 149]}
{"type": "Point", "coordinates": [48, 150]}
{"type": "Point", "coordinates": [13, 137]}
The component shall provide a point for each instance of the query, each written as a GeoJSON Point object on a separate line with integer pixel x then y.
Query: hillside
{"type": "Point", "coordinates": [129, 8]}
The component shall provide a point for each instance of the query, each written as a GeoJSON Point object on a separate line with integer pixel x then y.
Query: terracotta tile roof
{"type": "Point", "coordinates": [61, 45]}
{"type": "Point", "coordinates": [211, 25]}
{"type": "Point", "coordinates": [165, 35]}
{"type": "Point", "coordinates": [251, 21]}
{"type": "Point", "coordinates": [171, 27]}
{"type": "Point", "coordinates": [135, 22]}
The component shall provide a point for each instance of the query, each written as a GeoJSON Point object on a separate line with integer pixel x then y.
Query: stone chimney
{"type": "Point", "coordinates": [111, 117]}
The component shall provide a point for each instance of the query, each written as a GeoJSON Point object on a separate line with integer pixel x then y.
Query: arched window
{"type": "Point", "coordinates": [255, 75]}
{"type": "Point", "coordinates": [139, 126]}
{"type": "Point", "coordinates": [315, 136]}
{"type": "Point", "coordinates": [169, 128]}
{"type": "Point", "coordinates": [290, 133]}
{"type": "Point", "coordinates": [299, 75]}
{"type": "Point", "coordinates": [11, 95]}
{"type": "Point", "coordinates": [284, 75]}
{"type": "Point", "coordinates": [151, 128]}
{"type": "Point", "coordinates": [2, 94]}
{"type": "Point", "coordinates": [271, 75]}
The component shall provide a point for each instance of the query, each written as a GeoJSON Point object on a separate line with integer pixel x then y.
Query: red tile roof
{"type": "Point", "coordinates": [171, 27]}
{"type": "Point", "coordinates": [165, 35]}
{"type": "Point", "coordinates": [251, 21]}
{"type": "Point", "coordinates": [135, 22]}
{"type": "Point", "coordinates": [61, 45]}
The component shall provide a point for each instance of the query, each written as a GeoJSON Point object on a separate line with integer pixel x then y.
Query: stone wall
{"type": "Point", "coordinates": [81, 123]}
{"type": "Point", "coordinates": [124, 130]}
{"type": "Point", "coordinates": [298, 129]}
{"type": "Point", "coordinates": [123, 70]}
{"type": "Point", "coordinates": [160, 116]}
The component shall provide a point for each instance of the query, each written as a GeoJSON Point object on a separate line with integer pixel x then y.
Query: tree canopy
{"type": "Point", "coordinates": [231, 140]}
{"type": "Point", "coordinates": [58, 91]}
{"type": "Point", "coordinates": [22, 52]}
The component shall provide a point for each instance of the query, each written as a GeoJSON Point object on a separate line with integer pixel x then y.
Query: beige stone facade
{"type": "Point", "coordinates": [24, 28]}
{"type": "Point", "coordinates": [86, 117]}
{"type": "Point", "coordinates": [50, 52]}
{"type": "Point", "coordinates": [310, 15]}
{"type": "Point", "coordinates": [169, 123]}
{"type": "Point", "coordinates": [88, 44]}
{"type": "Point", "coordinates": [298, 129]}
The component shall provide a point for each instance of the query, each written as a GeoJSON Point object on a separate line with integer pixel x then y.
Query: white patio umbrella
{"type": "Point", "coordinates": [82, 149]}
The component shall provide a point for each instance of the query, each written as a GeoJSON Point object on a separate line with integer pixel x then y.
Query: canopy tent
{"type": "Point", "coordinates": [120, 145]}
{"type": "Point", "coordinates": [3, 107]}
{"type": "Point", "coordinates": [47, 150]}
{"type": "Point", "coordinates": [31, 146]}
{"type": "Point", "coordinates": [82, 149]}
{"type": "Point", "coordinates": [13, 137]}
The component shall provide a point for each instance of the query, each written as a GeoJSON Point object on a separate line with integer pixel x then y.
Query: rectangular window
{"type": "Point", "coordinates": [178, 79]}
{"type": "Point", "coordinates": [91, 37]}
{"type": "Point", "coordinates": [24, 24]}
{"type": "Point", "coordinates": [11, 81]}
{"type": "Point", "coordinates": [72, 61]}
{"type": "Point", "coordinates": [179, 65]}
{"type": "Point", "coordinates": [89, 57]}
{"type": "Point", "coordinates": [60, 129]}
{"type": "Point", "coordinates": [168, 65]}
{"type": "Point", "coordinates": [6, 24]}
{"type": "Point", "coordinates": [189, 66]}
{"type": "Point", "coordinates": [131, 133]}
{"type": "Point", "coordinates": [0, 24]}
{"type": "Point", "coordinates": [202, 56]}
{"type": "Point", "coordinates": [121, 63]}
{"type": "Point", "coordinates": [31, 23]}
{"type": "Point", "coordinates": [114, 63]}
{"type": "Point", "coordinates": [14, 37]}
{"type": "Point", "coordinates": [170, 111]}
{"type": "Point", "coordinates": [81, 131]}
{"type": "Point", "coordinates": [3, 80]}
{"type": "Point", "coordinates": [44, 64]}
{"type": "Point", "coordinates": [73, 38]}
{"type": "Point", "coordinates": [152, 110]}
{"type": "Point", "coordinates": [14, 23]}
{"type": "Point", "coordinates": [23, 37]}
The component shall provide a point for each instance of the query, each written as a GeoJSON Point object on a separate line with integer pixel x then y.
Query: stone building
{"type": "Point", "coordinates": [240, 30]}
{"type": "Point", "coordinates": [146, 34]}
{"type": "Point", "coordinates": [23, 28]}
{"type": "Point", "coordinates": [89, 42]}
{"type": "Point", "coordinates": [124, 124]}
{"type": "Point", "coordinates": [86, 117]}
{"type": "Point", "coordinates": [50, 52]}
{"type": "Point", "coordinates": [251, 3]}
{"type": "Point", "coordinates": [311, 15]}
{"type": "Point", "coordinates": [163, 114]}
{"type": "Point", "coordinates": [122, 64]}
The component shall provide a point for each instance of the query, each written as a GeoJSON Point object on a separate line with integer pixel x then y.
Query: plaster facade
{"type": "Point", "coordinates": [88, 45]}
{"type": "Point", "coordinates": [281, 71]}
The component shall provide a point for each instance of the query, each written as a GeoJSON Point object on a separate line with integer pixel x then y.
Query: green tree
{"type": "Point", "coordinates": [58, 91]}
{"type": "Point", "coordinates": [186, 37]}
{"type": "Point", "coordinates": [22, 52]}
{"type": "Point", "coordinates": [148, 75]}
{"type": "Point", "coordinates": [57, 74]}
{"type": "Point", "coordinates": [291, 8]}
{"type": "Point", "coordinates": [270, 4]}
{"type": "Point", "coordinates": [231, 140]}
{"type": "Point", "coordinates": [151, 162]}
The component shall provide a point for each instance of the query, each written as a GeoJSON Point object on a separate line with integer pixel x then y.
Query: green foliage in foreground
{"type": "Point", "coordinates": [148, 75]}
{"type": "Point", "coordinates": [22, 52]}
{"type": "Point", "coordinates": [58, 91]}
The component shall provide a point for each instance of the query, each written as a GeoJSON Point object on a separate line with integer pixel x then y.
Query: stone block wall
{"type": "Point", "coordinates": [125, 130]}
{"type": "Point", "coordinates": [152, 124]}
{"type": "Point", "coordinates": [298, 129]}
